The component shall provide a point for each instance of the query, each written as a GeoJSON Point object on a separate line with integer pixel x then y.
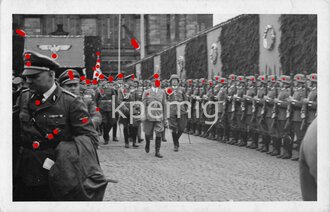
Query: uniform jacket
{"type": "Point", "coordinates": [104, 99]}
{"type": "Point", "coordinates": [282, 109]}
{"type": "Point", "coordinates": [260, 100]}
{"type": "Point", "coordinates": [62, 111]}
{"type": "Point", "coordinates": [231, 92]}
{"type": "Point", "coordinates": [298, 95]}
{"type": "Point", "coordinates": [178, 94]}
{"type": "Point", "coordinates": [150, 96]}
{"type": "Point", "coordinates": [311, 107]}
{"type": "Point", "coordinates": [251, 92]}
{"type": "Point", "coordinates": [271, 95]}
{"type": "Point", "coordinates": [91, 106]}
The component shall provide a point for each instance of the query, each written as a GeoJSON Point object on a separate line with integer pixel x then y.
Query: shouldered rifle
{"type": "Point", "coordinates": [274, 110]}
{"type": "Point", "coordinates": [263, 108]}
{"type": "Point", "coordinates": [243, 103]}
{"type": "Point", "coordinates": [304, 109]}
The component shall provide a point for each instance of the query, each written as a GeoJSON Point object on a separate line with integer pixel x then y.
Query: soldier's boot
{"type": "Point", "coordinates": [235, 137]}
{"type": "Point", "coordinates": [210, 134]}
{"type": "Point", "coordinates": [255, 142]}
{"type": "Point", "coordinates": [134, 136]}
{"type": "Point", "coordinates": [186, 130]}
{"type": "Point", "coordinates": [203, 133]}
{"type": "Point", "coordinates": [147, 147]}
{"type": "Point", "coordinates": [157, 148]}
{"type": "Point", "coordinates": [262, 144]}
{"type": "Point", "coordinates": [276, 147]}
{"type": "Point", "coordinates": [244, 139]}
{"type": "Point", "coordinates": [174, 137]}
{"type": "Point", "coordinates": [226, 135]}
{"type": "Point", "coordinates": [197, 130]}
{"type": "Point", "coordinates": [192, 128]}
{"type": "Point", "coordinates": [126, 137]}
{"type": "Point", "coordinates": [266, 140]}
{"type": "Point", "coordinates": [296, 158]}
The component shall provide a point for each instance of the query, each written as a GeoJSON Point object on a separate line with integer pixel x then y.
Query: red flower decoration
{"type": "Point", "coordinates": [283, 78]}
{"type": "Point", "coordinates": [110, 79]}
{"type": "Point", "coordinates": [50, 136]}
{"type": "Point", "coordinates": [82, 78]}
{"type": "Point", "coordinates": [203, 81]}
{"type": "Point", "coordinates": [98, 60]}
{"type": "Point", "coordinates": [55, 131]}
{"type": "Point", "coordinates": [96, 74]}
{"type": "Point", "coordinates": [222, 81]}
{"type": "Point", "coordinates": [298, 78]}
{"type": "Point", "coordinates": [98, 53]}
{"type": "Point", "coordinates": [263, 78]}
{"type": "Point", "coordinates": [95, 82]}
{"type": "Point", "coordinates": [121, 76]}
{"type": "Point", "coordinates": [97, 66]}
{"type": "Point", "coordinates": [88, 81]}
{"type": "Point", "coordinates": [84, 120]}
{"type": "Point", "coordinates": [27, 56]}
{"type": "Point", "coordinates": [148, 94]}
{"type": "Point", "coordinates": [101, 76]}
{"type": "Point", "coordinates": [28, 63]}
{"type": "Point", "coordinates": [273, 79]}
{"type": "Point", "coordinates": [157, 83]}
{"type": "Point", "coordinates": [240, 79]}
{"type": "Point", "coordinates": [54, 56]}
{"type": "Point", "coordinates": [94, 68]}
{"type": "Point", "coordinates": [313, 77]}
{"type": "Point", "coordinates": [97, 109]}
{"type": "Point", "coordinates": [37, 102]}
{"type": "Point", "coordinates": [169, 91]}
{"type": "Point", "coordinates": [35, 144]}
{"type": "Point", "coordinates": [216, 78]}
{"type": "Point", "coordinates": [252, 78]}
{"type": "Point", "coordinates": [211, 83]}
{"type": "Point", "coordinates": [156, 76]}
{"type": "Point", "coordinates": [133, 77]}
{"type": "Point", "coordinates": [232, 77]}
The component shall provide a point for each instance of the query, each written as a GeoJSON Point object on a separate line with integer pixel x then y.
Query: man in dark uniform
{"type": "Point", "coordinates": [308, 111]}
{"type": "Point", "coordinates": [281, 116]}
{"type": "Point", "coordinates": [72, 84]}
{"type": "Point", "coordinates": [240, 127]}
{"type": "Point", "coordinates": [154, 100]}
{"type": "Point", "coordinates": [299, 94]}
{"type": "Point", "coordinates": [196, 103]}
{"type": "Point", "coordinates": [260, 106]}
{"type": "Point", "coordinates": [192, 99]}
{"type": "Point", "coordinates": [211, 96]}
{"type": "Point", "coordinates": [230, 108]}
{"type": "Point", "coordinates": [127, 94]}
{"type": "Point", "coordinates": [178, 113]}
{"type": "Point", "coordinates": [250, 119]}
{"type": "Point", "coordinates": [104, 102]}
{"type": "Point", "coordinates": [223, 124]}
{"type": "Point", "coordinates": [48, 114]}
{"type": "Point", "coordinates": [139, 93]}
{"type": "Point", "coordinates": [267, 111]}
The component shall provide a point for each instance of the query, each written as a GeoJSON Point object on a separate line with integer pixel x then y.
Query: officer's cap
{"type": "Point", "coordinates": [232, 77]}
{"type": "Point", "coordinates": [263, 79]}
{"type": "Point", "coordinates": [210, 82]}
{"type": "Point", "coordinates": [202, 80]}
{"type": "Point", "coordinates": [69, 76]}
{"type": "Point", "coordinates": [271, 78]}
{"type": "Point", "coordinates": [299, 78]}
{"type": "Point", "coordinates": [285, 79]}
{"type": "Point", "coordinates": [313, 77]}
{"type": "Point", "coordinates": [36, 63]}
{"type": "Point", "coordinates": [241, 78]}
{"type": "Point", "coordinates": [174, 76]}
{"type": "Point", "coordinates": [251, 78]}
{"type": "Point", "coordinates": [223, 80]}
{"type": "Point", "coordinates": [17, 80]}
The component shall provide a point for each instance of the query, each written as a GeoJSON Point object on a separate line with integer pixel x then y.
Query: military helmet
{"type": "Point", "coordinates": [251, 78]}
{"type": "Point", "coordinates": [210, 82]}
{"type": "Point", "coordinates": [241, 78]}
{"type": "Point", "coordinates": [313, 77]}
{"type": "Point", "coordinates": [232, 77]}
{"type": "Point", "coordinates": [17, 80]}
{"type": "Point", "coordinates": [271, 78]}
{"type": "Point", "coordinates": [69, 76]}
{"type": "Point", "coordinates": [299, 78]}
{"type": "Point", "coordinates": [262, 79]}
{"type": "Point", "coordinates": [223, 80]}
{"type": "Point", "coordinates": [285, 79]}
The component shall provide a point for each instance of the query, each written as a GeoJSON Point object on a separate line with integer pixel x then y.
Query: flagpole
{"type": "Point", "coordinates": [119, 35]}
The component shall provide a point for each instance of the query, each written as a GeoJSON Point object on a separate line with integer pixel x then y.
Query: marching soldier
{"type": "Point", "coordinates": [299, 94]}
{"type": "Point", "coordinates": [230, 108]}
{"type": "Point", "coordinates": [260, 107]}
{"type": "Point", "coordinates": [139, 93]}
{"type": "Point", "coordinates": [280, 117]}
{"type": "Point", "coordinates": [48, 114]}
{"type": "Point", "coordinates": [178, 116]}
{"type": "Point", "coordinates": [251, 124]}
{"type": "Point", "coordinates": [223, 125]}
{"type": "Point", "coordinates": [104, 103]}
{"type": "Point", "coordinates": [127, 94]}
{"type": "Point", "coordinates": [155, 98]}
{"type": "Point", "coordinates": [72, 84]}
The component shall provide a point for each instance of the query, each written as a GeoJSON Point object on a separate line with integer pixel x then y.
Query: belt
{"type": "Point", "coordinates": [106, 100]}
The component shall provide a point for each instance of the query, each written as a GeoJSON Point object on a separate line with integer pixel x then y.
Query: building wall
{"type": "Point", "coordinates": [157, 66]}
{"type": "Point", "coordinates": [213, 38]}
{"type": "Point", "coordinates": [269, 60]}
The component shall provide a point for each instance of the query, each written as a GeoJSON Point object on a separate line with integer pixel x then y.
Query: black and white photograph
{"type": "Point", "coordinates": [165, 106]}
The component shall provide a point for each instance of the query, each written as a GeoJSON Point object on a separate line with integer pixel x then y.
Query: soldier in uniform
{"type": "Point", "coordinates": [188, 91]}
{"type": "Point", "coordinates": [308, 111]}
{"type": "Point", "coordinates": [230, 108]}
{"type": "Point", "coordinates": [193, 101]}
{"type": "Point", "coordinates": [280, 117]}
{"type": "Point", "coordinates": [48, 114]}
{"type": "Point", "coordinates": [72, 84]}
{"type": "Point", "coordinates": [239, 126]}
{"type": "Point", "coordinates": [104, 103]}
{"type": "Point", "coordinates": [155, 98]}
{"type": "Point", "coordinates": [177, 123]}
{"type": "Point", "coordinates": [250, 117]}
{"type": "Point", "coordinates": [222, 127]}
{"type": "Point", "coordinates": [139, 93]}
{"type": "Point", "coordinates": [299, 94]}
{"type": "Point", "coordinates": [260, 107]}
{"type": "Point", "coordinates": [211, 96]}
{"type": "Point", "coordinates": [202, 98]}
{"type": "Point", "coordinates": [127, 94]}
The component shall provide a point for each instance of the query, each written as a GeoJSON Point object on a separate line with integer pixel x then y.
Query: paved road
{"type": "Point", "coordinates": [202, 171]}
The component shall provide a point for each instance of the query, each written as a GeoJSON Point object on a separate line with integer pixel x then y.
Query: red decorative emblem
{"type": "Point", "coordinates": [133, 77]}
{"type": "Point", "coordinates": [298, 78]}
{"type": "Point", "coordinates": [222, 81]}
{"type": "Point", "coordinates": [120, 76]}
{"type": "Point", "coordinates": [283, 78]}
{"type": "Point", "coordinates": [95, 82]}
{"type": "Point", "coordinates": [97, 109]}
{"type": "Point", "coordinates": [20, 32]}
{"type": "Point", "coordinates": [94, 68]}
{"type": "Point", "coordinates": [35, 144]}
{"type": "Point", "coordinates": [157, 83]}
{"type": "Point", "coordinates": [240, 79]}
{"type": "Point", "coordinates": [263, 78]}
{"type": "Point", "coordinates": [50, 136]}
{"type": "Point", "coordinates": [96, 74]}
{"type": "Point", "coordinates": [110, 79]}
{"type": "Point", "coordinates": [156, 76]}
{"type": "Point", "coordinates": [273, 79]}
{"type": "Point", "coordinates": [101, 76]}
{"type": "Point", "coordinates": [211, 83]}
{"type": "Point", "coordinates": [84, 120]}
{"type": "Point", "coordinates": [98, 60]}
{"type": "Point", "coordinates": [55, 131]}
{"type": "Point", "coordinates": [232, 77]}
{"type": "Point", "coordinates": [217, 78]}
{"type": "Point", "coordinates": [98, 53]}
{"type": "Point", "coordinates": [82, 78]}
{"type": "Point", "coordinates": [313, 77]}
{"type": "Point", "coordinates": [28, 63]}
{"type": "Point", "coordinates": [37, 102]}
{"type": "Point", "coordinates": [252, 78]}
{"type": "Point", "coordinates": [88, 81]}
{"type": "Point", "coordinates": [169, 91]}
{"type": "Point", "coordinates": [54, 56]}
{"type": "Point", "coordinates": [27, 56]}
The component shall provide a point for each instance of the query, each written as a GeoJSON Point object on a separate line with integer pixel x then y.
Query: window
{"type": "Point", "coordinates": [32, 26]}
{"type": "Point", "coordinates": [88, 26]}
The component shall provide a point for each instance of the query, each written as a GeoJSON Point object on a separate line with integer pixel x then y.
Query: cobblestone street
{"type": "Point", "coordinates": [205, 170]}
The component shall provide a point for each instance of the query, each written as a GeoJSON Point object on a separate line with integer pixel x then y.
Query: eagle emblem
{"type": "Point", "coordinates": [54, 48]}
